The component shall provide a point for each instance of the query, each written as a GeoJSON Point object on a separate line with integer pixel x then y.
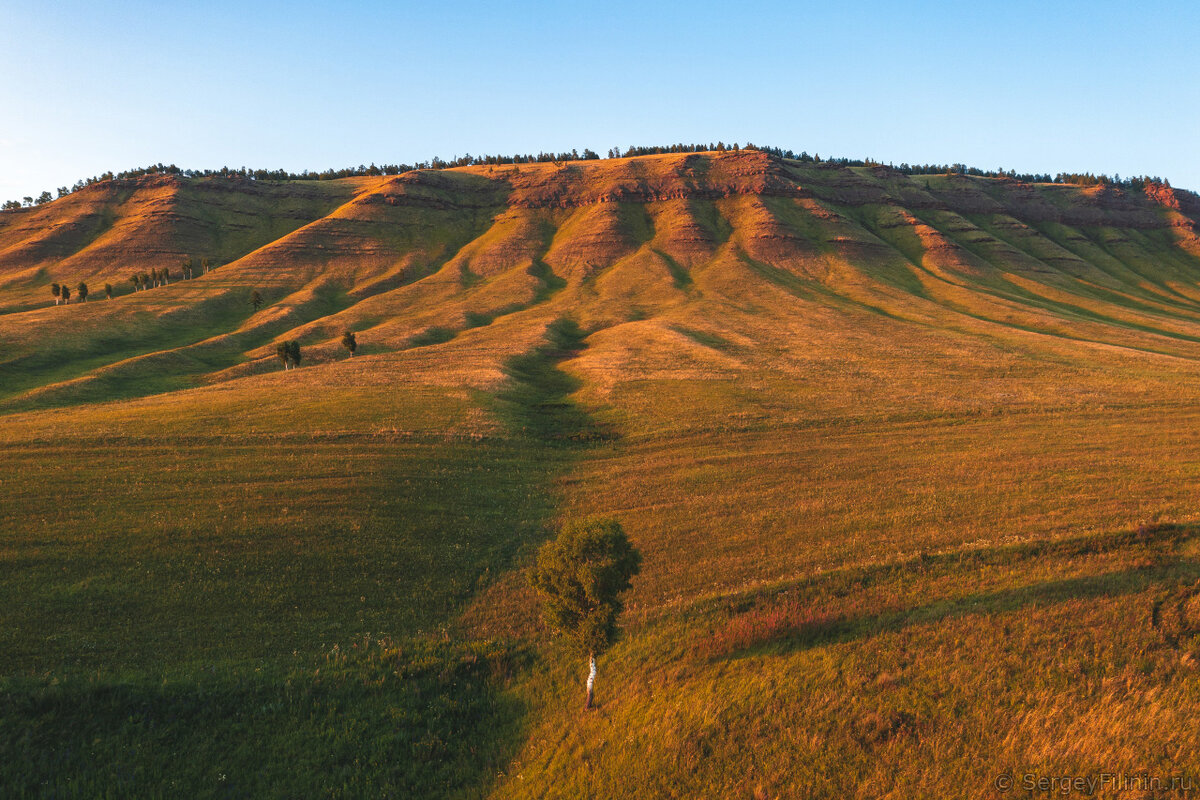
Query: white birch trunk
{"type": "Point", "coordinates": [591, 681]}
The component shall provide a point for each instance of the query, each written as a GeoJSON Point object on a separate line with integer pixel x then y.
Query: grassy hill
{"type": "Point", "coordinates": [912, 461]}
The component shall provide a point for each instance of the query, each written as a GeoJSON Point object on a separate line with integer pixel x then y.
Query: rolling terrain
{"type": "Point", "coordinates": [912, 462]}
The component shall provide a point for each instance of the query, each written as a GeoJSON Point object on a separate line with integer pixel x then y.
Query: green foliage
{"type": "Point", "coordinates": [349, 342]}
{"type": "Point", "coordinates": [108, 290]}
{"type": "Point", "coordinates": [256, 299]}
{"type": "Point", "coordinates": [82, 289]}
{"type": "Point", "coordinates": [289, 353]}
{"type": "Point", "coordinates": [580, 576]}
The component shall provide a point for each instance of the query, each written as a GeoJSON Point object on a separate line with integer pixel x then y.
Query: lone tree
{"type": "Point", "coordinates": [56, 290]}
{"type": "Point", "coordinates": [349, 342]}
{"type": "Point", "coordinates": [579, 576]}
{"type": "Point", "coordinates": [256, 300]}
{"type": "Point", "coordinates": [82, 290]}
{"type": "Point", "coordinates": [108, 290]}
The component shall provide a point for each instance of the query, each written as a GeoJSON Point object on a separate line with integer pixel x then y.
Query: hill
{"type": "Point", "coordinates": [909, 458]}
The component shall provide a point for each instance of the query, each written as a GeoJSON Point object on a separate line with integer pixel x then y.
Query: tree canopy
{"type": "Point", "coordinates": [242, 173]}
{"type": "Point", "coordinates": [580, 575]}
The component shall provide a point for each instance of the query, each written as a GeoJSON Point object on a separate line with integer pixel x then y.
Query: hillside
{"type": "Point", "coordinates": [910, 460]}
{"type": "Point", "coordinates": [660, 249]}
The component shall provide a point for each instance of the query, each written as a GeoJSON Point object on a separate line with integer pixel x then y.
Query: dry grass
{"type": "Point", "coordinates": [883, 443]}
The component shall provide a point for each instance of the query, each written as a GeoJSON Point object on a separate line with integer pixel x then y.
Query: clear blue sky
{"type": "Point", "coordinates": [1035, 86]}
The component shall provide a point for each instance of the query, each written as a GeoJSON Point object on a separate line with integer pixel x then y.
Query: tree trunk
{"type": "Point", "coordinates": [591, 681]}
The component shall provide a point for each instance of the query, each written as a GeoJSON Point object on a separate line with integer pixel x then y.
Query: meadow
{"type": "Point", "coordinates": [914, 483]}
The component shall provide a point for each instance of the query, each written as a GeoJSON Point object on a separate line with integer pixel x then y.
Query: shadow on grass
{"type": "Point", "coordinates": [537, 401]}
{"type": "Point", "coordinates": [440, 720]}
{"type": "Point", "coordinates": [761, 624]}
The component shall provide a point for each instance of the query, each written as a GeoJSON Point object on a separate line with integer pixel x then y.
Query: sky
{"type": "Point", "coordinates": [87, 87]}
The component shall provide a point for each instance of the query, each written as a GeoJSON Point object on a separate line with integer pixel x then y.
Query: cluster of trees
{"type": "Point", "coordinates": [1080, 179]}
{"type": "Point", "coordinates": [152, 279]}
{"type": "Point", "coordinates": [289, 353]}
{"type": "Point", "coordinates": [62, 292]}
{"type": "Point", "coordinates": [27, 201]}
{"type": "Point", "coordinates": [1137, 183]}
{"type": "Point", "coordinates": [140, 281]}
{"type": "Point", "coordinates": [162, 277]}
{"type": "Point", "coordinates": [719, 147]}
{"type": "Point", "coordinates": [362, 170]}
{"type": "Point", "coordinates": [188, 267]}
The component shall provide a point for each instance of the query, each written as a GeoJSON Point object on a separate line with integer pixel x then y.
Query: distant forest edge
{"type": "Point", "coordinates": [1137, 183]}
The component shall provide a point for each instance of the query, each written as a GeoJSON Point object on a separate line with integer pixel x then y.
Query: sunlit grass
{"type": "Point", "coordinates": [909, 483]}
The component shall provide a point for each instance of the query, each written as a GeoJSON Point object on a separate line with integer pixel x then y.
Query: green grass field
{"type": "Point", "coordinates": [914, 482]}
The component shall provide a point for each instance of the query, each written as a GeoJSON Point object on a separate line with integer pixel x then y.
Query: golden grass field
{"type": "Point", "coordinates": [911, 461]}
